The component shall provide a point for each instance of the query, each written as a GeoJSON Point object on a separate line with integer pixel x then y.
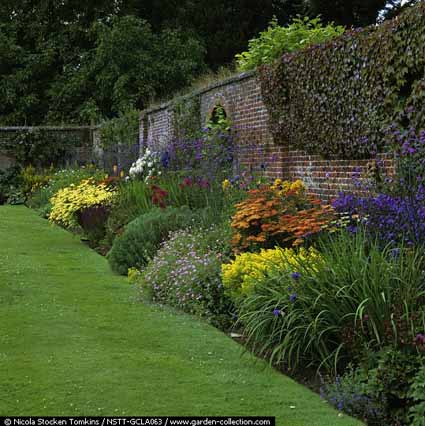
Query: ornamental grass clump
{"type": "Point", "coordinates": [278, 215]}
{"type": "Point", "coordinates": [357, 298]}
{"type": "Point", "coordinates": [67, 202]}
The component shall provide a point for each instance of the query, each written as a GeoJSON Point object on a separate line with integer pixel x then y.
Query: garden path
{"type": "Point", "coordinates": [75, 341]}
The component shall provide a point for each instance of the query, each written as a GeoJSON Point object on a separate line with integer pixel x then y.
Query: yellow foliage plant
{"type": "Point", "coordinates": [68, 201]}
{"type": "Point", "coordinates": [250, 269]}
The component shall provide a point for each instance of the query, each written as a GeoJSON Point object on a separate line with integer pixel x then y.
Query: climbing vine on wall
{"type": "Point", "coordinates": [121, 130]}
{"type": "Point", "coordinates": [339, 97]}
{"type": "Point", "coordinates": [186, 121]}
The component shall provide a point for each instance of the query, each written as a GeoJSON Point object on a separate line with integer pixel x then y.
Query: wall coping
{"type": "Point", "coordinates": [53, 128]}
{"type": "Point", "coordinates": [233, 79]}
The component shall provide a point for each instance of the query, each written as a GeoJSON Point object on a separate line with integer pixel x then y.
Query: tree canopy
{"type": "Point", "coordinates": [77, 60]}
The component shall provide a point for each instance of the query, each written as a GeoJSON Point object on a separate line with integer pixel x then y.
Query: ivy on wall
{"type": "Point", "coordinates": [186, 117]}
{"type": "Point", "coordinates": [121, 130]}
{"type": "Point", "coordinates": [338, 98]}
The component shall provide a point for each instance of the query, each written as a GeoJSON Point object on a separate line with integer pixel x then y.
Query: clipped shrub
{"type": "Point", "coordinates": [281, 214]}
{"type": "Point", "coordinates": [339, 97]}
{"type": "Point", "coordinates": [277, 40]}
{"type": "Point", "coordinates": [185, 273]}
{"type": "Point", "coordinates": [143, 236]}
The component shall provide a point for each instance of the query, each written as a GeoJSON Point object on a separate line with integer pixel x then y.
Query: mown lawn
{"type": "Point", "coordinates": [74, 341]}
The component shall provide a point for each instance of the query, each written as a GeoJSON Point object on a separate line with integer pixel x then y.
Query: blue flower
{"type": "Point", "coordinates": [293, 297]}
{"type": "Point", "coordinates": [395, 252]}
{"type": "Point", "coordinates": [295, 276]}
{"type": "Point", "coordinates": [165, 159]}
{"type": "Point", "coordinates": [276, 312]}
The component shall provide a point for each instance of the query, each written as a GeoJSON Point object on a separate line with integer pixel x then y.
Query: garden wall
{"type": "Point", "coordinates": [83, 145]}
{"type": "Point", "coordinates": [243, 102]}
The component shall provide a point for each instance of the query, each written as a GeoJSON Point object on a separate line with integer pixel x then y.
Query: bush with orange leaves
{"type": "Point", "coordinates": [278, 215]}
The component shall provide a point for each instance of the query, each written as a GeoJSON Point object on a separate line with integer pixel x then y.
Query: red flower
{"type": "Point", "coordinates": [158, 196]}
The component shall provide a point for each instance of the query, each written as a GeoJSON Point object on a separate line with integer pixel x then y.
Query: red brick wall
{"type": "Point", "coordinates": [241, 98]}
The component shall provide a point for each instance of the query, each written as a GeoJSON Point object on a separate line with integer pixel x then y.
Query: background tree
{"type": "Point", "coordinates": [356, 13]}
{"type": "Point", "coordinates": [74, 60]}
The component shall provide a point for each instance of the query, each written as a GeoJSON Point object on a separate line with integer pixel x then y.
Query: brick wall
{"type": "Point", "coordinates": [242, 100]}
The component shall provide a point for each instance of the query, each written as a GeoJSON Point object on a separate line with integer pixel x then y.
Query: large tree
{"type": "Point", "coordinates": [72, 60]}
{"type": "Point", "coordinates": [69, 60]}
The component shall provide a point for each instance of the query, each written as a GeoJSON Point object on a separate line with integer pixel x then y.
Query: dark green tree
{"type": "Point", "coordinates": [73, 60]}
{"type": "Point", "coordinates": [356, 13]}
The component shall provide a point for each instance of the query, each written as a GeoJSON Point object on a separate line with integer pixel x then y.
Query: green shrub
{"type": "Point", "coordinates": [338, 98]}
{"type": "Point", "coordinates": [272, 43]}
{"type": "Point", "coordinates": [388, 391]}
{"type": "Point", "coordinates": [417, 393]}
{"type": "Point", "coordinates": [354, 394]}
{"type": "Point", "coordinates": [136, 197]}
{"type": "Point", "coordinates": [359, 297]}
{"type": "Point", "coordinates": [185, 273]}
{"type": "Point", "coordinates": [10, 186]}
{"type": "Point", "coordinates": [39, 147]}
{"type": "Point", "coordinates": [143, 236]}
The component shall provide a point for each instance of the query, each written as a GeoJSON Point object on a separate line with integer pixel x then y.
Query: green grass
{"type": "Point", "coordinates": [73, 341]}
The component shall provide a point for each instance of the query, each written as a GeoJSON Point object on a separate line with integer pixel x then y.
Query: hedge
{"type": "Point", "coordinates": [338, 98]}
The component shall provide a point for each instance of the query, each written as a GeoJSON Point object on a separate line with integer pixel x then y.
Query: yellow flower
{"type": "Point", "coordinates": [226, 184]}
{"type": "Point", "coordinates": [68, 201]}
{"type": "Point", "coordinates": [122, 174]}
{"type": "Point", "coordinates": [298, 186]}
{"type": "Point", "coordinates": [249, 269]}
{"type": "Point", "coordinates": [133, 275]}
{"type": "Point", "coordinates": [286, 186]}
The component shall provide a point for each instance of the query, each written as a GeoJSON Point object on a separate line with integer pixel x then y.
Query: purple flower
{"type": "Point", "coordinates": [296, 276]}
{"type": "Point", "coordinates": [420, 339]}
{"type": "Point", "coordinates": [293, 297]}
{"type": "Point", "coordinates": [276, 312]}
